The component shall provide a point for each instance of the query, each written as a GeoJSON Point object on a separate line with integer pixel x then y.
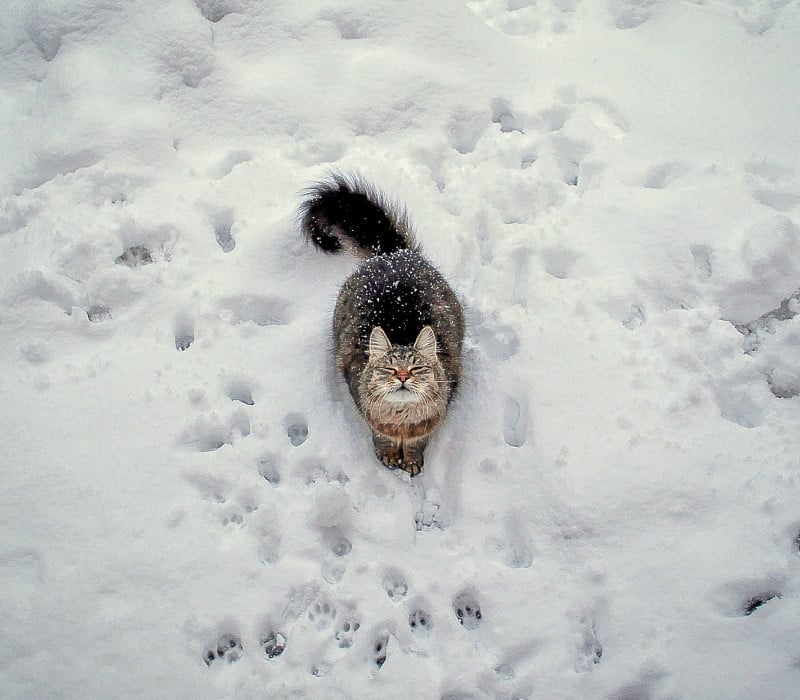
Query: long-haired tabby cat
{"type": "Point", "coordinates": [397, 326]}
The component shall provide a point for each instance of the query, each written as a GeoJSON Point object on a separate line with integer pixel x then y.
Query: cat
{"type": "Point", "coordinates": [398, 328]}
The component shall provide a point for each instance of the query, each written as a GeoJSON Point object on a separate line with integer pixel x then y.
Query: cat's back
{"type": "Point", "coordinates": [401, 292]}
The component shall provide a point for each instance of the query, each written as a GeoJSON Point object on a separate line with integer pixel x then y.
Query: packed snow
{"type": "Point", "coordinates": [191, 506]}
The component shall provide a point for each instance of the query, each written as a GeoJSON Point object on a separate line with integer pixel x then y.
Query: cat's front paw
{"type": "Point", "coordinates": [391, 458]}
{"type": "Point", "coordinates": [412, 466]}
{"type": "Point", "coordinates": [413, 452]}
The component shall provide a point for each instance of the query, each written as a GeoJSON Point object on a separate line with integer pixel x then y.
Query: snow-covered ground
{"type": "Point", "coordinates": [190, 504]}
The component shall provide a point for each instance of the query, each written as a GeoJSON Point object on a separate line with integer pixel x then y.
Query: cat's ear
{"type": "Point", "coordinates": [379, 344]}
{"type": "Point", "coordinates": [425, 343]}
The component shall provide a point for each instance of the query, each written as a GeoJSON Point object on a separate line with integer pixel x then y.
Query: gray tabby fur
{"type": "Point", "coordinates": [398, 328]}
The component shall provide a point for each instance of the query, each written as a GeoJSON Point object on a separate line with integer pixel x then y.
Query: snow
{"type": "Point", "coordinates": [191, 507]}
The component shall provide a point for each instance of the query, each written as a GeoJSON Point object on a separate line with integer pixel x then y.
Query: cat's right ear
{"type": "Point", "coordinates": [426, 343]}
{"type": "Point", "coordinates": [379, 344]}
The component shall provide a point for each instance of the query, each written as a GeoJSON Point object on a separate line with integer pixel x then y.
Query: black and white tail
{"type": "Point", "coordinates": [348, 210]}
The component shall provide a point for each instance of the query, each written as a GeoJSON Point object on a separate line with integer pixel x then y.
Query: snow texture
{"type": "Point", "coordinates": [190, 503]}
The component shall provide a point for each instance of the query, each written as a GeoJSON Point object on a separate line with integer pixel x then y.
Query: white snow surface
{"type": "Point", "coordinates": [612, 189]}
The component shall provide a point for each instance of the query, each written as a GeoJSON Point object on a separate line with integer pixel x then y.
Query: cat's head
{"type": "Point", "coordinates": [401, 374]}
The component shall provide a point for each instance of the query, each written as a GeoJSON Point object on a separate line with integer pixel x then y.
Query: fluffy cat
{"type": "Point", "coordinates": [397, 327]}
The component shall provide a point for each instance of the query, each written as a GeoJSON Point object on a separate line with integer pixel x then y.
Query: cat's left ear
{"type": "Point", "coordinates": [379, 344]}
{"type": "Point", "coordinates": [426, 343]}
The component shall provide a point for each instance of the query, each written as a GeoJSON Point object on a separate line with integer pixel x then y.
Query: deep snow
{"type": "Point", "coordinates": [190, 504]}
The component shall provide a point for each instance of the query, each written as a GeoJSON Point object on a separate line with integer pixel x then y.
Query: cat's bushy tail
{"type": "Point", "coordinates": [346, 209]}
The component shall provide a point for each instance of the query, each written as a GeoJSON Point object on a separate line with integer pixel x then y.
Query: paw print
{"type": "Point", "coordinates": [467, 610]}
{"type": "Point", "coordinates": [233, 518]}
{"type": "Point", "coordinates": [754, 603]}
{"type": "Point", "coordinates": [340, 545]}
{"type": "Point", "coordinates": [273, 644]}
{"type": "Point", "coordinates": [322, 614]}
{"type": "Point", "coordinates": [589, 650]}
{"type": "Point", "coordinates": [296, 429]}
{"type": "Point", "coordinates": [394, 583]}
{"type": "Point", "coordinates": [379, 647]}
{"type": "Point", "coordinates": [345, 631]}
{"type": "Point", "coordinates": [228, 647]}
{"type": "Point", "coordinates": [419, 621]}
{"type": "Point", "coordinates": [428, 515]}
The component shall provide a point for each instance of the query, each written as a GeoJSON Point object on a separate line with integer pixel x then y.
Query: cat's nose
{"type": "Point", "coordinates": [402, 375]}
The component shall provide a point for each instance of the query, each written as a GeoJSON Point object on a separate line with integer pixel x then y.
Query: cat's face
{"type": "Point", "coordinates": [403, 376]}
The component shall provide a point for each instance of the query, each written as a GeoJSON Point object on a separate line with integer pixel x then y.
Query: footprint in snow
{"type": "Point", "coordinates": [296, 429]}
{"type": "Point", "coordinates": [428, 515]}
{"type": "Point", "coordinates": [780, 200]}
{"type": "Point", "coordinates": [333, 570]}
{"type": "Point", "coordinates": [380, 647]}
{"type": "Point", "coordinates": [629, 14]}
{"type": "Point", "coordinates": [268, 468]}
{"type": "Point", "coordinates": [569, 156]}
{"type": "Point", "coordinates": [635, 318]}
{"type": "Point", "coordinates": [747, 597]}
{"type": "Point", "coordinates": [338, 543]}
{"type": "Point", "coordinates": [759, 18]}
{"type": "Point", "coordinates": [226, 166]}
{"type": "Point", "coordinates": [206, 434]}
{"type": "Point", "coordinates": [588, 649]}
{"type": "Point", "coordinates": [232, 517]}
{"type": "Point", "coordinates": [466, 128]}
{"type": "Point", "coordinates": [559, 261]}
{"type": "Point", "coordinates": [658, 177]}
{"type": "Point", "coordinates": [755, 602]}
{"type": "Point", "coordinates": [518, 553]}
{"type": "Point", "coordinates": [322, 614]}
{"type": "Point", "coordinates": [98, 314]}
{"type": "Point", "coordinates": [273, 644]}
{"type": "Point", "coordinates": [419, 621]}
{"type": "Point", "coordinates": [703, 257]}
{"type": "Point", "coordinates": [184, 331]}
{"type": "Point", "coordinates": [256, 308]}
{"type": "Point", "coordinates": [345, 630]}
{"type": "Point", "coordinates": [394, 583]}
{"type": "Point", "coordinates": [554, 118]}
{"type": "Point", "coordinates": [215, 10]}
{"type": "Point", "coordinates": [515, 422]}
{"type": "Point", "coordinates": [227, 647]}
{"type": "Point", "coordinates": [239, 390]}
{"type": "Point", "coordinates": [210, 432]}
{"type": "Point", "coordinates": [321, 668]}
{"type": "Point", "coordinates": [773, 184]}
{"type": "Point", "coordinates": [503, 115]}
{"type": "Point", "coordinates": [223, 223]}
{"type": "Point", "coordinates": [211, 487]}
{"type": "Point", "coordinates": [459, 694]}
{"type": "Point", "coordinates": [499, 340]}
{"type": "Point", "coordinates": [515, 17]}
{"type": "Point", "coordinates": [135, 256]}
{"type": "Point", "coordinates": [528, 157]}
{"type": "Point", "coordinates": [467, 610]}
